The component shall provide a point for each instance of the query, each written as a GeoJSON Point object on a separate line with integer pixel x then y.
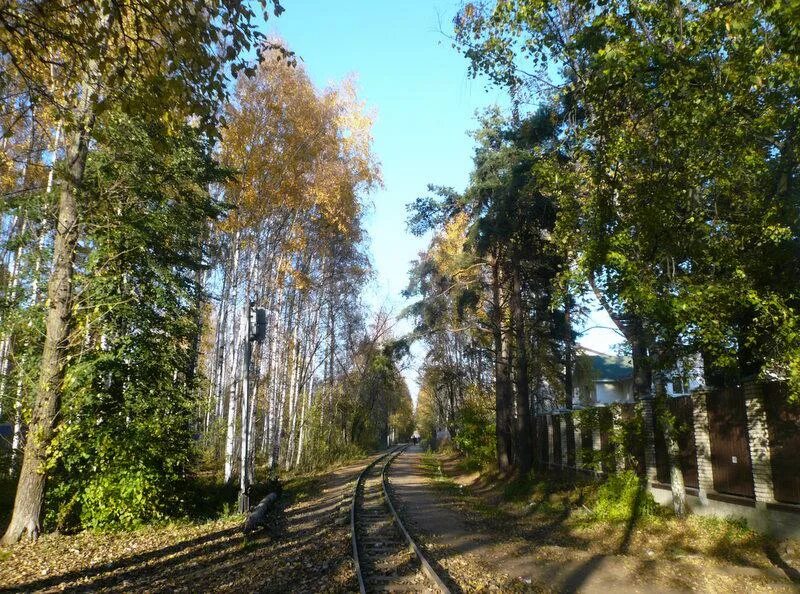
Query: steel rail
{"type": "Point", "coordinates": [353, 531]}
{"type": "Point", "coordinates": [426, 566]}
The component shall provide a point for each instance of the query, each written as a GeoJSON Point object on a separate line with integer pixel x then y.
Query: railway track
{"type": "Point", "coordinates": [386, 557]}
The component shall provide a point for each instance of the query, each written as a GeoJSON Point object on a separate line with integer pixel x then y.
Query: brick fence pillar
{"type": "Point", "coordinates": [562, 419]}
{"type": "Point", "coordinates": [758, 438]}
{"type": "Point", "coordinates": [702, 440]}
{"type": "Point", "coordinates": [550, 455]}
{"type": "Point", "coordinates": [576, 426]}
{"type": "Point", "coordinates": [648, 419]}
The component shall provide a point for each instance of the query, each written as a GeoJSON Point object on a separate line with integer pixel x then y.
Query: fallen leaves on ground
{"type": "Point", "coordinates": [305, 548]}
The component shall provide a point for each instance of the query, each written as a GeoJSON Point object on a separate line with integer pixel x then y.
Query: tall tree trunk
{"type": "Point", "coordinates": [233, 407]}
{"type": "Point", "coordinates": [569, 389]}
{"type": "Point", "coordinates": [16, 439]}
{"type": "Point", "coordinates": [642, 365]}
{"type": "Point", "coordinates": [569, 348]}
{"type": "Point", "coordinates": [502, 382]}
{"type": "Point", "coordinates": [285, 369]}
{"type": "Point", "coordinates": [666, 423]}
{"type": "Point", "coordinates": [293, 395]}
{"type": "Point", "coordinates": [524, 453]}
{"type": "Point", "coordinates": [676, 481]}
{"type": "Point", "coordinates": [244, 476]}
{"type": "Point", "coordinates": [29, 498]}
{"type": "Point", "coordinates": [233, 369]}
{"type": "Point", "coordinates": [306, 410]}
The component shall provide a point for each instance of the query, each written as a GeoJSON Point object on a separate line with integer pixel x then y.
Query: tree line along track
{"type": "Point", "coordinates": [386, 557]}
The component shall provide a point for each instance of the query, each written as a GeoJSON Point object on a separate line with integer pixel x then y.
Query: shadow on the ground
{"type": "Point", "coordinates": [579, 576]}
{"type": "Point", "coordinates": [274, 559]}
{"type": "Point", "coordinates": [630, 525]}
{"type": "Point", "coordinates": [134, 566]}
{"type": "Point", "coordinates": [775, 558]}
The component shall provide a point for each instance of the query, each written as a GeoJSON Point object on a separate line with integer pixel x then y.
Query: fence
{"type": "Point", "coordinates": [737, 445]}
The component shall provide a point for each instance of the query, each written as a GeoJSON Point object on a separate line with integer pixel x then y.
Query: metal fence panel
{"type": "Point", "coordinates": [783, 421]}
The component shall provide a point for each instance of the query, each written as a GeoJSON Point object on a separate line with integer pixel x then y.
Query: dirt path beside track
{"type": "Point", "coordinates": [479, 552]}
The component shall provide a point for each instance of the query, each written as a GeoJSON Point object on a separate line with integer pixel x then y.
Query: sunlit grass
{"type": "Point", "coordinates": [603, 515]}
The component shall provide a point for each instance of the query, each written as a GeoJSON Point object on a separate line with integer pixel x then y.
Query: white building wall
{"type": "Point", "coordinates": [608, 392]}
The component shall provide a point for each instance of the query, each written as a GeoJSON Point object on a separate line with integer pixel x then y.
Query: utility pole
{"type": "Point", "coordinates": [256, 331]}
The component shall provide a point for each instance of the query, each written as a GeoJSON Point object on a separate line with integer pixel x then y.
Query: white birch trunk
{"type": "Point", "coordinates": [233, 403]}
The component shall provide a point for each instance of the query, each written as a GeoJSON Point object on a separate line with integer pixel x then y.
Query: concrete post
{"type": "Point", "coordinates": [648, 418]}
{"type": "Point", "coordinates": [562, 419]}
{"type": "Point", "coordinates": [758, 439]}
{"type": "Point", "coordinates": [576, 424]}
{"type": "Point", "coordinates": [702, 440]}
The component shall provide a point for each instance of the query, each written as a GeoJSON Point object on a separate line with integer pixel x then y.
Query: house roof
{"type": "Point", "coordinates": [609, 367]}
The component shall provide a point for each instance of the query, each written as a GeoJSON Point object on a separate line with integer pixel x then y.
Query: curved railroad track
{"type": "Point", "coordinates": [386, 557]}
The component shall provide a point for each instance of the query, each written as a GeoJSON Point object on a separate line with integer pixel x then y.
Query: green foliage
{"type": "Point", "coordinates": [301, 488]}
{"type": "Point", "coordinates": [589, 420]}
{"type": "Point", "coordinates": [627, 435]}
{"type": "Point", "coordinates": [475, 431]}
{"type": "Point", "coordinates": [522, 488]}
{"type": "Point", "coordinates": [363, 410]}
{"type": "Point", "coordinates": [425, 416]}
{"type": "Point", "coordinates": [127, 440]}
{"type": "Point", "coordinates": [326, 444]}
{"type": "Point", "coordinates": [382, 393]}
{"type": "Point", "coordinates": [676, 182]}
{"type": "Point", "coordinates": [623, 497]}
{"type": "Point", "coordinates": [208, 497]}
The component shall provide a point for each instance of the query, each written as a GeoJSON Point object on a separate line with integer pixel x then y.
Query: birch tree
{"type": "Point", "coordinates": [98, 56]}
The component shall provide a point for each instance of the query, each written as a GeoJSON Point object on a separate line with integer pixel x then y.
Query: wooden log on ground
{"type": "Point", "coordinates": [257, 518]}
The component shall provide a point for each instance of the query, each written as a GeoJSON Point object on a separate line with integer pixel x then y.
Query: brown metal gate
{"type": "Point", "coordinates": [783, 420]}
{"type": "Point", "coordinates": [730, 452]}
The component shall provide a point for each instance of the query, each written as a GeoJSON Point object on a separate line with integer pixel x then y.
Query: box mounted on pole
{"type": "Point", "coordinates": [257, 323]}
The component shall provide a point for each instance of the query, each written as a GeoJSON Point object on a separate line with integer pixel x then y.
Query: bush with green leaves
{"type": "Point", "coordinates": [475, 431]}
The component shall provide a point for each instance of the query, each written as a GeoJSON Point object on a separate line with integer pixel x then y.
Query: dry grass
{"type": "Point", "coordinates": [301, 549]}
{"type": "Point", "coordinates": [557, 512]}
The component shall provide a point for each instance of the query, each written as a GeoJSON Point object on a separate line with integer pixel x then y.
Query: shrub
{"type": "Point", "coordinates": [475, 432]}
{"type": "Point", "coordinates": [623, 497]}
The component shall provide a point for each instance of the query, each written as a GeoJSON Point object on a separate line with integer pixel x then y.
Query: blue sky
{"type": "Point", "coordinates": [425, 103]}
